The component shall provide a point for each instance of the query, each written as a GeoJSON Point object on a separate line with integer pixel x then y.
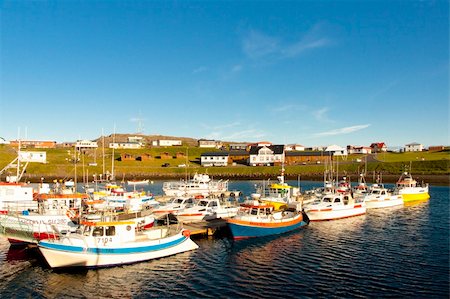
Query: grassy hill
{"type": "Point", "coordinates": [61, 164]}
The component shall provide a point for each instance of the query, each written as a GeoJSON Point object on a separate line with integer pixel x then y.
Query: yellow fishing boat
{"type": "Point", "coordinates": [410, 190]}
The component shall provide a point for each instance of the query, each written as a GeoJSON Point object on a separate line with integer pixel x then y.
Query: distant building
{"type": "Point", "coordinates": [125, 145]}
{"type": "Point", "coordinates": [209, 143]}
{"type": "Point", "coordinates": [352, 149]}
{"type": "Point", "coordinates": [336, 150]}
{"type": "Point", "coordinates": [378, 147]}
{"type": "Point", "coordinates": [33, 143]}
{"type": "Point", "coordinates": [238, 146]}
{"type": "Point", "coordinates": [436, 148]}
{"type": "Point", "coordinates": [80, 144]}
{"type": "Point", "coordinates": [414, 147]}
{"type": "Point", "coordinates": [304, 157]}
{"type": "Point", "coordinates": [294, 147]}
{"type": "Point", "coordinates": [165, 142]}
{"type": "Point", "coordinates": [136, 139]}
{"type": "Point", "coordinates": [266, 155]}
{"type": "Point", "coordinates": [214, 159]}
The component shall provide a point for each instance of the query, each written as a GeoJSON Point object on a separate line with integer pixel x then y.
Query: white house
{"type": "Point", "coordinates": [86, 144]}
{"type": "Point", "coordinates": [209, 143]}
{"type": "Point", "coordinates": [165, 142]}
{"type": "Point", "coordinates": [125, 145]}
{"type": "Point", "coordinates": [414, 147]}
{"type": "Point", "coordinates": [294, 147]}
{"type": "Point", "coordinates": [336, 150]}
{"type": "Point", "coordinates": [352, 149]}
{"type": "Point", "coordinates": [214, 159]}
{"type": "Point", "coordinates": [266, 155]}
{"type": "Point", "coordinates": [39, 157]}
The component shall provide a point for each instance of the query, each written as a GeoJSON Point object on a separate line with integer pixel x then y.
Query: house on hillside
{"type": "Point", "coordinates": [414, 147]}
{"type": "Point", "coordinates": [378, 147]}
{"type": "Point", "coordinates": [165, 156]}
{"type": "Point", "coordinates": [352, 149]}
{"type": "Point", "coordinates": [310, 157]}
{"type": "Point", "coordinates": [336, 150]}
{"type": "Point", "coordinates": [266, 155]}
{"type": "Point", "coordinates": [294, 147]}
{"type": "Point", "coordinates": [164, 142]}
{"type": "Point", "coordinates": [145, 157]}
{"type": "Point", "coordinates": [33, 143]}
{"type": "Point", "coordinates": [214, 159]}
{"type": "Point", "coordinates": [238, 146]}
{"type": "Point", "coordinates": [209, 143]}
{"type": "Point", "coordinates": [126, 157]}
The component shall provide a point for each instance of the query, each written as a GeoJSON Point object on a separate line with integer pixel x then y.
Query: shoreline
{"type": "Point", "coordinates": [431, 179]}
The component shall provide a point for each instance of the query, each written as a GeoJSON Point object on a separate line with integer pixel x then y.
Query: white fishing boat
{"type": "Point", "coordinates": [138, 182]}
{"type": "Point", "coordinates": [175, 205]}
{"type": "Point", "coordinates": [103, 244]}
{"type": "Point", "coordinates": [335, 206]}
{"type": "Point", "coordinates": [380, 197]}
{"type": "Point", "coordinates": [200, 184]}
{"type": "Point", "coordinates": [208, 209]}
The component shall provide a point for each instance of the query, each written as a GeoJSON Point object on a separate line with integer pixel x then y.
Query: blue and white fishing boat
{"type": "Point", "coordinates": [260, 219]}
{"type": "Point", "coordinates": [103, 244]}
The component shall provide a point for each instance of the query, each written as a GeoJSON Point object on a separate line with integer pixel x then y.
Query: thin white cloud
{"type": "Point", "coordinates": [257, 45]}
{"type": "Point", "coordinates": [321, 114]}
{"type": "Point", "coordinates": [287, 107]}
{"type": "Point", "coordinates": [300, 47]}
{"type": "Point", "coordinates": [342, 131]}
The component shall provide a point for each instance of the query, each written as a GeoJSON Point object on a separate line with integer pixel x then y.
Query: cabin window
{"type": "Point", "coordinates": [98, 231]}
{"type": "Point", "coordinates": [110, 231]}
{"type": "Point", "coordinates": [87, 230]}
{"type": "Point", "coordinates": [337, 199]}
{"type": "Point", "coordinates": [327, 199]}
{"type": "Point", "coordinates": [254, 212]}
{"type": "Point", "coordinates": [213, 204]}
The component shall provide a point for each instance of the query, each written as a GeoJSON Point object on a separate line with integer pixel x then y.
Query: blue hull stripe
{"type": "Point", "coordinates": [117, 250]}
{"type": "Point", "coordinates": [245, 231]}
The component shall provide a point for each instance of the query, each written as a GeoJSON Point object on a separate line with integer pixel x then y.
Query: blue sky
{"type": "Point", "coordinates": [306, 72]}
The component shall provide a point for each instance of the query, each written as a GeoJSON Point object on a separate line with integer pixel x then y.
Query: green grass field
{"type": "Point", "coordinates": [61, 164]}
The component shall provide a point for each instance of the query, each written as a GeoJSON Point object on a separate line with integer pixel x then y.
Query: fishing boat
{"type": "Point", "coordinates": [381, 197]}
{"type": "Point", "coordinates": [200, 184]}
{"type": "Point", "coordinates": [335, 206]}
{"type": "Point", "coordinates": [410, 190]}
{"type": "Point", "coordinates": [103, 244]}
{"type": "Point", "coordinates": [279, 194]}
{"type": "Point", "coordinates": [138, 182]}
{"type": "Point", "coordinates": [261, 219]}
{"type": "Point", "coordinates": [208, 209]}
{"type": "Point", "coordinates": [175, 205]}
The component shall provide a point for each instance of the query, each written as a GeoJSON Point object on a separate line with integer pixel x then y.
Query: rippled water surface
{"type": "Point", "coordinates": [396, 252]}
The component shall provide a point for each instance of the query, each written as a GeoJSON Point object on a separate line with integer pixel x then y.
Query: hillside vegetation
{"type": "Point", "coordinates": [61, 164]}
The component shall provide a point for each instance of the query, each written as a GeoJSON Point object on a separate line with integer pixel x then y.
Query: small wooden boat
{"type": "Point", "coordinates": [259, 220]}
{"type": "Point", "coordinates": [103, 244]}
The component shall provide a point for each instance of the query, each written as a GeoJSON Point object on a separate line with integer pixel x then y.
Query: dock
{"type": "Point", "coordinates": [208, 228]}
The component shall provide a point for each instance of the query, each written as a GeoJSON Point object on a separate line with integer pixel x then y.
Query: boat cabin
{"type": "Point", "coordinates": [109, 232]}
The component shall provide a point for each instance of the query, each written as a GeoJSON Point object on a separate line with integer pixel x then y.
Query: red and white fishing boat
{"type": "Point", "coordinates": [380, 197]}
{"type": "Point", "coordinates": [335, 206]}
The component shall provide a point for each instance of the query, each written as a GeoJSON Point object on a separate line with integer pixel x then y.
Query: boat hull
{"type": "Point", "coordinates": [241, 229]}
{"type": "Point", "coordinates": [61, 255]}
{"type": "Point", "coordinates": [333, 214]}
{"type": "Point", "coordinates": [390, 202]}
{"type": "Point", "coordinates": [408, 197]}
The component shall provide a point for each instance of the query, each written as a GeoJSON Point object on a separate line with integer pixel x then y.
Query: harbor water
{"type": "Point", "coordinates": [387, 253]}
